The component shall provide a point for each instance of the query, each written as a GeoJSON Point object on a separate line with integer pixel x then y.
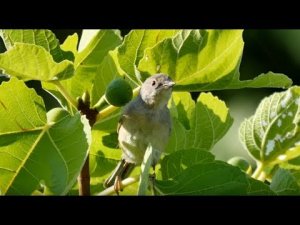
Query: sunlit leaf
{"type": "Point", "coordinates": [70, 44]}
{"type": "Point", "coordinates": [88, 64]}
{"type": "Point", "coordinates": [32, 62]}
{"type": "Point", "coordinates": [272, 135]}
{"type": "Point", "coordinates": [40, 37]}
{"type": "Point", "coordinates": [197, 125]}
{"type": "Point", "coordinates": [132, 50]}
{"type": "Point", "coordinates": [204, 60]}
{"type": "Point", "coordinates": [38, 152]}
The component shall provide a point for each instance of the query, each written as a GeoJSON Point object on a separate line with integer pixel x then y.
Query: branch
{"type": "Point", "coordinates": [128, 181]}
{"type": "Point", "coordinates": [64, 92]}
{"type": "Point", "coordinates": [84, 179]}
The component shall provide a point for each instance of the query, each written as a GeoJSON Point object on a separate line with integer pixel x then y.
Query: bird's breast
{"type": "Point", "coordinates": [136, 133]}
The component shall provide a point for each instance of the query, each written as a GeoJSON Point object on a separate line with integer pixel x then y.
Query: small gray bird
{"type": "Point", "coordinates": [146, 119]}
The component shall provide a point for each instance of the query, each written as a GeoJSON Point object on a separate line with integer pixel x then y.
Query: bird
{"type": "Point", "coordinates": [145, 120]}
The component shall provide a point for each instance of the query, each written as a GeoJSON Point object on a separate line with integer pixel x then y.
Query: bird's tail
{"type": "Point", "coordinates": [123, 170]}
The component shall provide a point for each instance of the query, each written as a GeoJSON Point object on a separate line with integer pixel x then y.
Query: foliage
{"type": "Point", "coordinates": [43, 152]}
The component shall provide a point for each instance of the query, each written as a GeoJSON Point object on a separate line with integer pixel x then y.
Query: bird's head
{"type": "Point", "coordinates": [156, 90]}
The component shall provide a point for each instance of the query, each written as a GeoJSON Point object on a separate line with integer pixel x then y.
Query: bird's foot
{"type": "Point", "coordinates": [118, 185]}
{"type": "Point", "coordinates": [152, 178]}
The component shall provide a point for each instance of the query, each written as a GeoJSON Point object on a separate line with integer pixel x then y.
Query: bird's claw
{"type": "Point", "coordinates": [152, 178]}
{"type": "Point", "coordinates": [118, 185]}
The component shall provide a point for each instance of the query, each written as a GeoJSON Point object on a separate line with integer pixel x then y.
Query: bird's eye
{"type": "Point", "coordinates": [153, 83]}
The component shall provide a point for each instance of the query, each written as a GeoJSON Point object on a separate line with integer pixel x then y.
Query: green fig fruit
{"type": "Point", "coordinates": [118, 92]}
{"type": "Point", "coordinates": [240, 162]}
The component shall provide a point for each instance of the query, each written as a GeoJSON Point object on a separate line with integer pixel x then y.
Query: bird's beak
{"type": "Point", "coordinates": [169, 84]}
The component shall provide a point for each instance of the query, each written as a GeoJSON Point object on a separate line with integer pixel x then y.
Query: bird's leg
{"type": "Point", "coordinates": [118, 184]}
{"type": "Point", "coordinates": [152, 180]}
{"type": "Point", "coordinates": [153, 175]}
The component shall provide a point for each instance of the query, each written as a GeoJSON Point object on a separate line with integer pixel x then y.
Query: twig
{"type": "Point", "coordinates": [84, 179]}
{"type": "Point", "coordinates": [128, 181]}
{"type": "Point", "coordinates": [106, 112]}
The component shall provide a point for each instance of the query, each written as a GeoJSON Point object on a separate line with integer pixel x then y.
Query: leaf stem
{"type": "Point", "coordinates": [145, 168]}
{"type": "Point", "coordinates": [106, 112]}
{"type": "Point", "coordinates": [128, 181]}
{"type": "Point", "coordinates": [258, 171]}
{"type": "Point", "coordinates": [65, 93]}
{"type": "Point", "coordinates": [262, 176]}
{"type": "Point", "coordinates": [100, 103]}
{"type": "Point", "coordinates": [249, 170]}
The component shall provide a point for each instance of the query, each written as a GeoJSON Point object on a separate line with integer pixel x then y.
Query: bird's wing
{"type": "Point", "coordinates": [121, 121]}
{"type": "Point", "coordinates": [128, 110]}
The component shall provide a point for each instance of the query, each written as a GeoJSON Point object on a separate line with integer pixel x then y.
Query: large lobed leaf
{"type": "Point", "coordinates": [89, 63]}
{"type": "Point", "coordinates": [38, 151]}
{"type": "Point", "coordinates": [205, 179]}
{"type": "Point", "coordinates": [36, 55]}
{"type": "Point", "coordinates": [256, 187]}
{"type": "Point", "coordinates": [132, 50]}
{"type": "Point", "coordinates": [272, 135]}
{"type": "Point", "coordinates": [195, 172]}
{"type": "Point", "coordinates": [175, 163]}
{"type": "Point", "coordinates": [33, 62]}
{"type": "Point", "coordinates": [284, 183]}
{"type": "Point", "coordinates": [107, 71]}
{"type": "Point", "coordinates": [201, 60]}
{"type": "Point", "coordinates": [70, 44]}
{"type": "Point", "coordinates": [197, 125]}
{"type": "Point", "coordinates": [40, 37]}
